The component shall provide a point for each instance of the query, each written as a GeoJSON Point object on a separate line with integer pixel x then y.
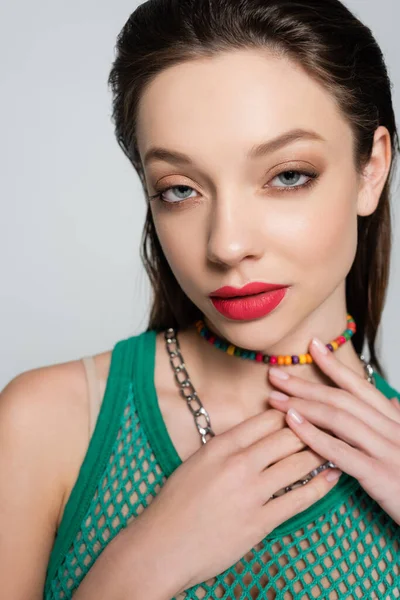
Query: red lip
{"type": "Point", "coordinates": [255, 287]}
{"type": "Point", "coordinates": [245, 308]}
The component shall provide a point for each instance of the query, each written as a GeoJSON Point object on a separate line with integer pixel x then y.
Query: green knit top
{"type": "Point", "coordinates": [343, 546]}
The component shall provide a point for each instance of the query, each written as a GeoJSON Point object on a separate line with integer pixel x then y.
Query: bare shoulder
{"type": "Point", "coordinates": [49, 406]}
{"type": "Point", "coordinates": [44, 436]}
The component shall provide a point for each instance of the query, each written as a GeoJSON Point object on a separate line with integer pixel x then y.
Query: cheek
{"type": "Point", "coordinates": [325, 240]}
{"type": "Point", "coordinates": [180, 246]}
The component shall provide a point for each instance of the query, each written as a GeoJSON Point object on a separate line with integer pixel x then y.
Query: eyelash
{"type": "Point", "coordinates": [313, 175]}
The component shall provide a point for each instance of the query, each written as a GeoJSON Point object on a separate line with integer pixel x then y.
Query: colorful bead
{"type": "Point", "coordinates": [265, 358]}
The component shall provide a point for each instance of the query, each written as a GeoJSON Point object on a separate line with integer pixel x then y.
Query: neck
{"type": "Point", "coordinates": [244, 383]}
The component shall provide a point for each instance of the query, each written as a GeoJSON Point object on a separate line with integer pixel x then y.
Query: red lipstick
{"type": "Point", "coordinates": [252, 301]}
{"type": "Point", "coordinates": [255, 287]}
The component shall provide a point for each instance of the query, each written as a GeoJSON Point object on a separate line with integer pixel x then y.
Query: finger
{"type": "Point", "coordinates": [278, 510]}
{"type": "Point", "coordinates": [346, 427]}
{"type": "Point", "coordinates": [351, 460]}
{"type": "Point", "coordinates": [343, 400]}
{"type": "Point", "coordinates": [287, 471]}
{"type": "Point", "coordinates": [250, 430]}
{"type": "Point", "coordinates": [349, 380]}
{"type": "Point", "coordinates": [272, 448]}
{"type": "Point", "coordinates": [396, 402]}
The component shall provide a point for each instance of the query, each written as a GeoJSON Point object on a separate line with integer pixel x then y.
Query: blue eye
{"type": "Point", "coordinates": [289, 175]}
{"type": "Point", "coordinates": [294, 174]}
{"type": "Point", "coordinates": [181, 190]}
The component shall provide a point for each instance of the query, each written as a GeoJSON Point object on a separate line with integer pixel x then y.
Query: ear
{"type": "Point", "coordinates": [375, 173]}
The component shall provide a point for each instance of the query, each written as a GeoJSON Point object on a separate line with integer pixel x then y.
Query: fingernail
{"type": "Point", "coordinates": [319, 345]}
{"type": "Point", "coordinates": [275, 395]}
{"type": "Point", "coordinates": [333, 474]}
{"type": "Point", "coordinates": [297, 418]}
{"type": "Point", "coordinates": [278, 373]}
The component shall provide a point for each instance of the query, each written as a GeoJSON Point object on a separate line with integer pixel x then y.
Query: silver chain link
{"type": "Point", "coordinates": [201, 416]}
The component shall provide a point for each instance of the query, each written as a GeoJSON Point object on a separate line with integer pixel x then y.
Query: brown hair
{"type": "Point", "coordinates": [334, 48]}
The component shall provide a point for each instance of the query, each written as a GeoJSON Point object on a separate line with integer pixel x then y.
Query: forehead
{"type": "Point", "coordinates": [232, 99]}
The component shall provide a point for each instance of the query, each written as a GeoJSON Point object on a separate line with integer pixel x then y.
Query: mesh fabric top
{"type": "Point", "coordinates": [343, 546]}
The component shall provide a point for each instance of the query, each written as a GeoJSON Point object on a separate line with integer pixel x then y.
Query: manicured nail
{"type": "Point", "coordinates": [278, 373]}
{"type": "Point", "coordinates": [275, 395]}
{"type": "Point", "coordinates": [319, 345]}
{"type": "Point", "coordinates": [297, 418]}
{"type": "Point", "coordinates": [333, 474]}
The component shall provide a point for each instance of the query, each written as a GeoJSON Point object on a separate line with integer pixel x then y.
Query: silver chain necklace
{"type": "Point", "coordinates": [201, 416]}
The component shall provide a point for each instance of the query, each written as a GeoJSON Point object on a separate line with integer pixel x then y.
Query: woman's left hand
{"type": "Point", "coordinates": [365, 421]}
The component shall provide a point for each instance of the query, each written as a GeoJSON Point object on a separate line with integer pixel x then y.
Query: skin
{"type": "Point", "coordinates": [238, 230]}
{"type": "Point", "coordinates": [236, 223]}
{"type": "Point", "coordinates": [365, 426]}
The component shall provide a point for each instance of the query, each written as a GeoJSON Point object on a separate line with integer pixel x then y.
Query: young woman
{"type": "Point", "coordinates": [202, 457]}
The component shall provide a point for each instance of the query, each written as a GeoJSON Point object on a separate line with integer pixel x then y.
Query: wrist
{"type": "Point", "coordinates": [148, 561]}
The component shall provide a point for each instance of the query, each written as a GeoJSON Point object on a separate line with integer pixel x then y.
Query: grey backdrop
{"type": "Point", "coordinates": [71, 204]}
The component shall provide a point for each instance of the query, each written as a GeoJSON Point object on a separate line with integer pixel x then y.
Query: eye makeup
{"type": "Point", "coordinates": [311, 174]}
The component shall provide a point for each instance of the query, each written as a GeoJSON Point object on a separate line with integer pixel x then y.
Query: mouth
{"type": "Point", "coordinates": [250, 306]}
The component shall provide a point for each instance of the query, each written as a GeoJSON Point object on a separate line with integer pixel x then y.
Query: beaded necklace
{"type": "Point", "coordinates": [272, 359]}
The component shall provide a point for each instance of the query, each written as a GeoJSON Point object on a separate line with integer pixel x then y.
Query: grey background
{"type": "Point", "coordinates": [71, 205]}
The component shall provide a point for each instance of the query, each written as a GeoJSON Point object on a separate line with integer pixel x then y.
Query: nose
{"type": "Point", "coordinates": [234, 233]}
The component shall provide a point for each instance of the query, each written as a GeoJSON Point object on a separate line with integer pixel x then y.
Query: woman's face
{"type": "Point", "coordinates": [235, 219]}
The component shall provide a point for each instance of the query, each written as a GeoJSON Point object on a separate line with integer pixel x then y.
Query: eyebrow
{"type": "Point", "coordinates": [166, 155]}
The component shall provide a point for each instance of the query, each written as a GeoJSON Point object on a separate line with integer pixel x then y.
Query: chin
{"type": "Point", "coordinates": [257, 334]}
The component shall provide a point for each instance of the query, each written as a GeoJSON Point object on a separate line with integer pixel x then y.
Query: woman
{"type": "Point", "coordinates": [264, 136]}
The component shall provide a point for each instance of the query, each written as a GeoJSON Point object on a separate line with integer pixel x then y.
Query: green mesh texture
{"type": "Point", "coordinates": [350, 551]}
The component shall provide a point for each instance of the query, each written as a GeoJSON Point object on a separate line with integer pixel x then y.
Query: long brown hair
{"type": "Point", "coordinates": [334, 48]}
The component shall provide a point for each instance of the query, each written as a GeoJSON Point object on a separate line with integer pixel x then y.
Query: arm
{"type": "Point", "coordinates": [136, 564]}
{"type": "Point", "coordinates": [38, 413]}
{"type": "Point", "coordinates": [43, 431]}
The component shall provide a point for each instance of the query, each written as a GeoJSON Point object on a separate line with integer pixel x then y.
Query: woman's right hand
{"type": "Point", "coordinates": [216, 505]}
